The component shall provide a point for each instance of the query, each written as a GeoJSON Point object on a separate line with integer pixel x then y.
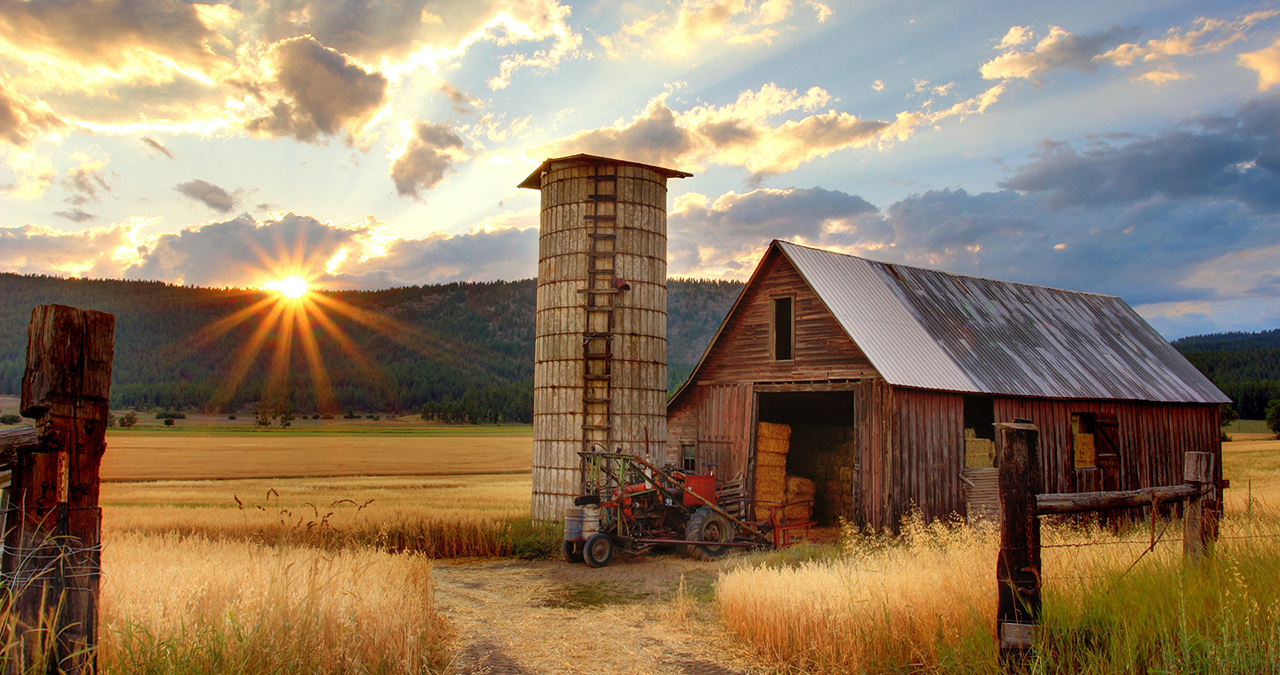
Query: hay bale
{"type": "Point", "coordinates": [773, 431]}
{"type": "Point", "coordinates": [970, 434]}
{"type": "Point", "coordinates": [798, 513]}
{"type": "Point", "coordinates": [773, 445]}
{"type": "Point", "coordinates": [1085, 453]}
{"type": "Point", "coordinates": [979, 453]}
{"type": "Point", "coordinates": [772, 459]}
{"type": "Point", "coordinates": [799, 487]}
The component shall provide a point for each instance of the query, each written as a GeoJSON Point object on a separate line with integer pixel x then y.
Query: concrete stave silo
{"type": "Point", "coordinates": [601, 330]}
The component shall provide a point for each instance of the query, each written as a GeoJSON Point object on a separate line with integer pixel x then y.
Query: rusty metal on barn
{"type": "Point", "coordinates": [893, 375]}
{"type": "Point", "coordinates": [600, 345]}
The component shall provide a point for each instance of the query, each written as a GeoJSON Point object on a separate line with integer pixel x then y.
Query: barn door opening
{"type": "Point", "coordinates": [822, 446]}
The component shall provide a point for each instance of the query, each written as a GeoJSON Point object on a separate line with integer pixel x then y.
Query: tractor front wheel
{"type": "Point", "coordinates": [709, 526]}
{"type": "Point", "coordinates": [598, 550]}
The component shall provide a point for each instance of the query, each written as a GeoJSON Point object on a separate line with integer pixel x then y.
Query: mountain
{"type": "Point", "coordinates": [464, 349]}
{"type": "Point", "coordinates": [1245, 366]}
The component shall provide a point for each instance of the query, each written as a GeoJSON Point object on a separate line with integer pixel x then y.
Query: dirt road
{"type": "Point", "coordinates": [549, 617]}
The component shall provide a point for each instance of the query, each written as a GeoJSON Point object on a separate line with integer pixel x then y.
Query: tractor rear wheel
{"type": "Point", "coordinates": [709, 526]}
{"type": "Point", "coordinates": [598, 550]}
{"type": "Point", "coordinates": [571, 551]}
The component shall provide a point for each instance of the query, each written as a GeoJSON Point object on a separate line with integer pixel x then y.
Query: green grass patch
{"type": "Point", "coordinates": [587, 595]}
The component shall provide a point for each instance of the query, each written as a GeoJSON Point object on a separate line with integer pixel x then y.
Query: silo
{"type": "Point", "coordinates": [600, 345]}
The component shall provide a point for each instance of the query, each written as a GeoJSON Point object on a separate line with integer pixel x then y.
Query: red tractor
{"type": "Point", "coordinates": [629, 504]}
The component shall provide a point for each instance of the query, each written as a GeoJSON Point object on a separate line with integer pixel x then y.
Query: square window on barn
{"type": "Point", "coordinates": [784, 325]}
{"type": "Point", "coordinates": [1084, 442]}
{"type": "Point", "coordinates": [689, 456]}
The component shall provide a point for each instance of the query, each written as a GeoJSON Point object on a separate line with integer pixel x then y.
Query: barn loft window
{"type": "Point", "coordinates": [689, 456]}
{"type": "Point", "coordinates": [783, 328]}
{"type": "Point", "coordinates": [1084, 427]}
{"type": "Point", "coordinates": [979, 432]}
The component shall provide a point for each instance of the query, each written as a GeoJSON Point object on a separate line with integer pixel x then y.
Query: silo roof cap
{"type": "Point", "coordinates": [534, 181]}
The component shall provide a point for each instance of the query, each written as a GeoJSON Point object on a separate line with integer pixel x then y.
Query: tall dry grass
{"type": "Point", "coordinates": [192, 605]}
{"type": "Point", "coordinates": [925, 602]}
{"type": "Point", "coordinates": [441, 517]}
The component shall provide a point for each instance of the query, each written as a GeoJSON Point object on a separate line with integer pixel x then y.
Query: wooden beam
{"type": "Point", "coordinates": [14, 440]}
{"type": "Point", "coordinates": [1081, 502]}
{"type": "Point", "coordinates": [806, 387]}
{"type": "Point", "coordinates": [1197, 470]}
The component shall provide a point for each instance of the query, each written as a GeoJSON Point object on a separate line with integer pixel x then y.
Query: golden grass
{"type": "Point", "coordinates": [193, 605]}
{"type": "Point", "coordinates": [149, 455]}
{"type": "Point", "coordinates": [444, 517]}
{"type": "Point", "coordinates": [1252, 464]}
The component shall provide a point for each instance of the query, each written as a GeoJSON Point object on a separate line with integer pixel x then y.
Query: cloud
{"type": "Point", "coordinates": [425, 157]}
{"type": "Point", "coordinates": [463, 103]}
{"type": "Point", "coordinates": [89, 44]}
{"type": "Point", "coordinates": [1267, 64]}
{"type": "Point", "coordinates": [209, 194]}
{"type": "Point", "coordinates": [1117, 47]}
{"type": "Point", "coordinates": [93, 251]}
{"type": "Point", "coordinates": [747, 133]}
{"type": "Point", "coordinates": [157, 146]}
{"type": "Point", "coordinates": [1232, 156]}
{"type": "Point", "coordinates": [325, 92]}
{"type": "Point", "coordinates": [1058, 50]}
{"type": "Point", "coordinates": [86, 182]}
{"type": "Point", "coordinates": [697, 22]}
{"type": "Point", "coordinates": [76, 215]}
{"type": "Point", "coordinates": [566, 46]}
{"type": "Point", "coordinates": [738, 134]}
{"type": "Point", "coordinates": [23, 120]}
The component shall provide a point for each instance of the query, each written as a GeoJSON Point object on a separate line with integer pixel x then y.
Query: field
{"type": "Point", "coordinates": [232, 550]}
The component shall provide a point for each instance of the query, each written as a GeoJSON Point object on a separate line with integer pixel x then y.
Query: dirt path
{"type": "Point", "coordinates": [550, 617]}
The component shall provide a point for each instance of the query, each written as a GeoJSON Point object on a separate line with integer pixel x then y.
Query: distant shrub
{"type": "Point", "coordinates": [1273, 416]}
{"type": "Point", "coordinates": [128, 419]}
{"type": "Point", "coordinates": [231, 417]}
{"type": "Point", "coordinates": [326, 416]}
{"type": "Point", "coordinates": [168, 421]}
{"type": "Point", "coordinates": [170, 415]}
{"type": "Point", "coordinates": [10, 419]}
{"type": "Point", "coordinates": [315, 416]}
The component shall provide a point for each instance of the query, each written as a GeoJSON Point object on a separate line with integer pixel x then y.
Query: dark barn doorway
{"type": "Point", "coordinates": [823, 445]}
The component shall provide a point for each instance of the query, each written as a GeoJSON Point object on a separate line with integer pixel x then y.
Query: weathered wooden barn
{"type": "Point", "coordinates": [892, 376]}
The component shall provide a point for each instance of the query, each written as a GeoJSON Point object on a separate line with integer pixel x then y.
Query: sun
{"type": "Point", "coordinates": [291, 287]}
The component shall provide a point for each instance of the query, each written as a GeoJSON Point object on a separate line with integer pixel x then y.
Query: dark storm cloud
{"type": "Point", "coordinates": [209, 194]}
{"type": "Point", "coordinates": [157, 146]}
{"type": "Point", "coordinates": [23, 120]}
{"type": "Point", "coordinates": [1234, 157]}
{"type": "Point", "coordinates": [325, 92]}
{"type": "Point", "coordinates": [426, 159]}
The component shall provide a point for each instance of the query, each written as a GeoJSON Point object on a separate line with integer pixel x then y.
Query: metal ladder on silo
{"type": "Point", "coordinates": [597, 335]}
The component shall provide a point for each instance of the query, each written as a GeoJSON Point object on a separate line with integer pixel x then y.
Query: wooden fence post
{"type": "Point", "coordinates": [1197, 469]}
{"type": "Point", "coordinates": [1018, 565]}
{"type": "Point", "coordinates": [52, 546]}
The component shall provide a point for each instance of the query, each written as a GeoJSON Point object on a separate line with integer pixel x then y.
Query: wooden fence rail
{"type": "Point", "coordinates": [1021, 505]}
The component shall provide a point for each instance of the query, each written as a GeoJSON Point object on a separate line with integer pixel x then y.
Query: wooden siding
{"type": "Point", "coordinates": [822, 350]}
{"type": "Point", "coordinates": [926, 455]}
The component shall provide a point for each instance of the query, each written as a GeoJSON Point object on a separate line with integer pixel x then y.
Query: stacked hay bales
{"type": "Point", "coordinates": [799, 489]}
{"type": "Point", "coordinates": [772, 443]}
{"type": "Point", "coordinates": [978, 452]}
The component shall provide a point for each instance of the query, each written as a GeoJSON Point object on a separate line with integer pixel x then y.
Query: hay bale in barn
{"type": "Point", "coordinates": [771, 483]}
{"type": "Point", "coordinates": [774, 459]}
{"type": "Point", "coordinates": [799, 487]}
{"type": "Point", "coordinates": [979, 453]}
{"type": "Point", "coordinates": [798, 513]}
{"type": "Point", "coordinates": [772, 446]}
{"type": "Point", "coordinates": [1085, 452]}
{"type": "Point", "coordinates": [780, 432]}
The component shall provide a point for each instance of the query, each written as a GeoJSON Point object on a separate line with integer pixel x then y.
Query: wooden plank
{"type": "Point", "coordinates": [1081, 502]}
{"type": "Point", "coordinates": [14, 440]}
{"type": "Point", "coordinates": [1018, 562]}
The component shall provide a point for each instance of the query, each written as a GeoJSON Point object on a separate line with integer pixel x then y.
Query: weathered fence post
{"type": "Point", "coordinates": [1197, 469]}
{"type": "Point", "coordinates": [1018, 565]}
{"type": "Point", "coordinates": [52, 545]}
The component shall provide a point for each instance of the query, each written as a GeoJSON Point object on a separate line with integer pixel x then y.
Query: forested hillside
{"type": "Point", "coordinates": [465, 349]}
{"type": "Point", "coordinates": [1245, 366]}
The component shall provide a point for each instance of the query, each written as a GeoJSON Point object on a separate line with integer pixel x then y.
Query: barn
{"type": "Point", "coordinates": [890, 377]}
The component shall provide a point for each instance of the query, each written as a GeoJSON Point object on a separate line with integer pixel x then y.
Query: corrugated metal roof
{"type": "Point", "coordinates": [933, 330]}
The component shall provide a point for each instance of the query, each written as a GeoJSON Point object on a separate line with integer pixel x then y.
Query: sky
{"type": "Point", "coordinates": [1128, 148]}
